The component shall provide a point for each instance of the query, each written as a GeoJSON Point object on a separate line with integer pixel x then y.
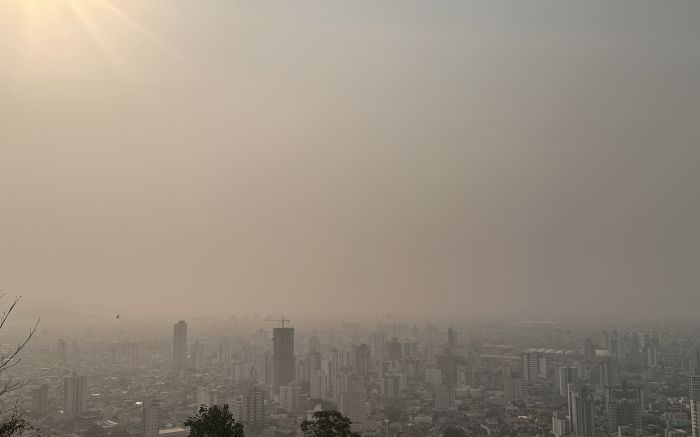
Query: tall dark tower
{"type": "Point", "coordinates": [282, 356]}
{"type": "Point", "coordinates": [75, 395]}
{"type": "Point", "coordinates": [180, 345]}
{"type": "Point", "coordinates": [363, 358]}
{"type": "Point", "coordinates": [582, 412]}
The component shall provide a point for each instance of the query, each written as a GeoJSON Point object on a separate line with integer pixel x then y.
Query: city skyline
{"type": "Point", "coordinates": [400, 218]}
{"type": "Point", "coordinates": [586, 380]}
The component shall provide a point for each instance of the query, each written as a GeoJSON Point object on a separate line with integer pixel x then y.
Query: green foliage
{"type": "Point", "coordinates": [328, 424]}
{"type": "Point", "coordinates": [15, 426]}
{"type": "Point", "coordinates": [214, 421]}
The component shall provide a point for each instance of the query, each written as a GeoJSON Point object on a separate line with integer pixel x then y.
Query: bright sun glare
{"type": "Point", "coordinates": [55, 33]}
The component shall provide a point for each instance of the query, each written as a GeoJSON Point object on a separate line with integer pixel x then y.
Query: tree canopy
{"type": "Point", "coordinates": [328, 424]}
{"type": "Point", "coordinates": [214, 421]}
{"type": "Point", "coordinates": [15, 426]}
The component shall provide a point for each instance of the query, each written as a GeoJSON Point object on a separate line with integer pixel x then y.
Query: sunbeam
{"type": "Point", "coordinates": [140, 28]}
{"type": "Point", "coordinates": [79, 37]}
{"type": "Point", "coordinates": [96, 37]}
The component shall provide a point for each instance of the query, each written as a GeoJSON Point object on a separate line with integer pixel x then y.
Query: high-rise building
{"type": "Point", "coordinates": [542, 367]}
{"type": "Point", "coordinates": [180, 345]}
{"type": "Point", "coordinates": [198, 353]}
{"type": "Point", "coordinates": [318, 385]}
{"type": "Point", "coordinates": [567, 375]}
{"type": "Point", "coordinates": [267, 367]}
{"type": "Point", "coordinates": [282, 356]}
{"type": "Point", "coordinates": [302, 370]}
{"type": "Point", "coordinates": [75, 395]}
{"type": "Point", "coordinates": [609, 373]}
{"type": "Point", "coordinates": [614, 344]}
{"type": "Point", "coordinates": [514, 388]}
{"type": "Point", "coordinates": [250, 407]}
{"type": "Point", "coordinates": [353, 404]}
{"type": "Point", "coordinates": [694, 385]}
{"type": "Point", "coordinates": [582, 411]}
{"type": "Point", "coordinates": [237, 408]}
{"type": "Point", "coordinates": [255, 405]}
{"type": "Point", "coordinates": [393, 350]}
{"type": "Point", "coordinates": [225, 353]}
{"type": "Point", "coordinates": [409, 349]}
{"type": "Point", "coordinates": [377, 341]}
{"type": "Point", "coordinates": [464, 375]}
{"type": "Point", "coordinates": [474, 357]}
{"type": "Point", "coordinates": [40, 400]}
{"type": "Point", "coordinates": [530, 364]}
{"type": "Point", "coordinates": [391, 386]}
{"type": "Point", "coordinates": [314, 363]}
{"type": "Point", "coordinates": [403, 382]}
{"type": "Point", "coordinates": [338, 385]}
{"type": "Point", "coordinates": [651, 356]}
{"type": "Point", "coordinates": [451, 337]}
{"type": "Point", "coordinates": [289, 397]}
{"type": "Point", "coordinates": [447, 364]}
{"type": "Point", "coordinates": [363, 357]}
{"type": "Point", "coordinates": [444, 397]}
{"type": "Point", "coordinates": [624, 406]}
{"type": "Point", "coordinates": [152, 413]}
{"type": "Point", "coordinates": [561, 427]}
{"type": "Point", "coordinates": [589, 350]}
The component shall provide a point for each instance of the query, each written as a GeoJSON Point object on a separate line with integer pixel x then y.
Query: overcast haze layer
{"type": "Point", "coordinates": [440, 157]}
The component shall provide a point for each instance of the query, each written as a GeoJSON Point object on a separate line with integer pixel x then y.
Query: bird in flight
{"type": "Point", "coordinates": [117, 316]}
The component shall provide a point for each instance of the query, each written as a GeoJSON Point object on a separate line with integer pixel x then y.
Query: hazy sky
{"type": "Point", "coordinates": [446, 157]}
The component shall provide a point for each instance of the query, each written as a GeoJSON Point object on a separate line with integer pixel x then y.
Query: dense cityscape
{"type": "Point", "coordinates": [390, 378]}
{"type": "Point", "coordinates": [358, 218]}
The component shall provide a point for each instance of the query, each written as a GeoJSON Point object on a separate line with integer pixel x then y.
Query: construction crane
{"type": "Point", "coordinates": [282, 320]}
